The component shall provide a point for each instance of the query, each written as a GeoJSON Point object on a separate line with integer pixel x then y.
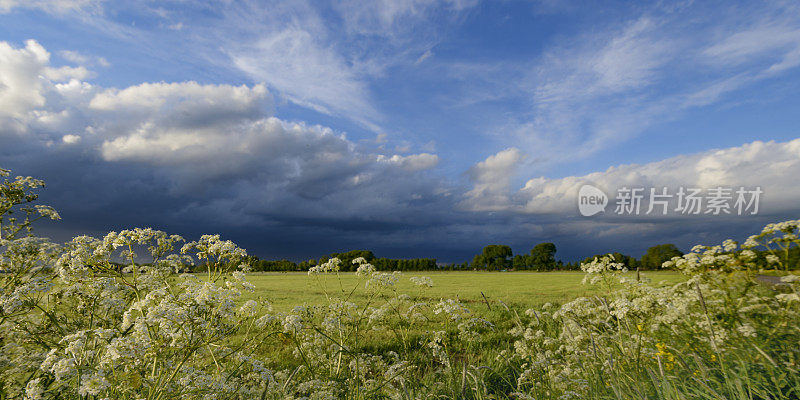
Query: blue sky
{"type": "Point", "coordinates": [414, 127]}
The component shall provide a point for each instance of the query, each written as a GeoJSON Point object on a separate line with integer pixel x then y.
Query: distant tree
{"type": "Point", "coordinates": [305, 265]}
{"type": "Point", "coordinates": [494, 257]}
{"type": "Point", "coordinates": [413, 264]}
{"type": "Point", "coordinates": [789, 258]}
{"type": "Point", "coordinates": [478, 262]}
{"type": "Point", "coordinates": [382, 264]}
{"type": "Point", "coordinates": [572, 266]}
{"type": "Point", "coordinates": [543, 257]}
{"type": "Point", "coordinates": [521, 261]}
{"type": "Point", "coordinates": [657, 255]}
{"type": "Point", "coordinates": [259, 265]}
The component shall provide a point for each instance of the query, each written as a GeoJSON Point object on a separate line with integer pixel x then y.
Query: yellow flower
{"type": "Point", "coordinates": [662, 352]}
{"type": "Point", "coordinates": [639, 327]}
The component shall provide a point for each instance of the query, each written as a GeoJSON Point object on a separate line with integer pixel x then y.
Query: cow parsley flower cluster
{"type": "Point", "coordinates": [422, 281]}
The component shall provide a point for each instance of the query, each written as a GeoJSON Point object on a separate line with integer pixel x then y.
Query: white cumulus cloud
{"type": "Point", "coordinates": [773, 166]}
{"type": "Point", "coordinates": [413, 162]}
{"type": "Point", "coordinates": [492, 181]}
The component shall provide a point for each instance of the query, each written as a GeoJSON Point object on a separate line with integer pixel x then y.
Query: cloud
{"type": "Point", "coordinates": [595, 91]}
{"type": "Point", "coordinates": [295, 50]}
{"type": "Point", "coordinates": [610, 83]}
{"type": "Point", "coordinates": [413, 162]}
{"type": "Point", "coordinates": [71, 139]}
{"type": "Point", "coordinates": [22, 90]}
{"type": "Point", "coordinates": [54, 7]}
{"type": "Point", "coordinates": [27, 83]}
{"type": "Point", "coordinates": [217, 145]}
{"type": "Point", "coordinates": [181, 104]}
{"type": "Point", "coordinates": [492, 180]}
{"type": "Point", "coordinates": [267, 147]}
{"type": "Point", "coordinates": [620, 61]}
{"type": "Point", "coordinates": [763, 38]}
{"type": "Point", "coordinates": [82, 59]}
{"type": "Point", "coordinates": [284, 44]}
{"type": "Point", "coordinates": [324, 58]}
{"type": "Point", "coordinates": [308, 73]}
{"type": "Point", "coordinates": [630, 60]}
{"type": "Point", "coordinates": [767, 46]}
{"type": "Point", "coordinates": [773, 166]}
{"type": "Point", "coordinates": [426, 55]}
{"type": "Point", "coordinates": [387, 17]}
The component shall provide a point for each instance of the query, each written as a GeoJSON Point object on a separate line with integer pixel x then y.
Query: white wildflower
{"type": "Point", "coordinates": [292, 323]}
{"type": "Point", "coordinates": [47, 212]}
{"type": "Point", "coordinates": [34, 390]}
{"type": "Point", "coordinates": [772, 259]}
{"type": "Point", "coordinates": [787, 297]}
{"type": "Point", "coordinates": [451, 308]}
{"type": "Point", "coordinates": [92, 385]}
{"type": "Point", "coordinates": [383, 279]}
{"type": "Point", "coordinates": [748, 255]}
{"type": "Point", "coordinates": [422, 281]}
{"type": "Point", "coordinates": [790, 278]}
{"type": "Point", "coordinates": [365, 270]}
{"type": "Point", "coordinates": [747, 330]}
{"type": "Point", "coordinates": [248, 309]}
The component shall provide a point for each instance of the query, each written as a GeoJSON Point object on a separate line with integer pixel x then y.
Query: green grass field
{"type": "Point", "coordinates": [515, 289]}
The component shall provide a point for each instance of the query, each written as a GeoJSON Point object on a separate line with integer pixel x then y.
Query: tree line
{"type": "Point", "coordinates": [493, 257]}
{"type": "Point", "coordinates": [541, 257]}
{"type": "Point", "coordinates": [381, 264]}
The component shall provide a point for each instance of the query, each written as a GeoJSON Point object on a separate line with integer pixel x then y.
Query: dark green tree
{"type": "Point", "coordinates": [305, 265]}
{"type": "Point", "coordinates": [521, 261]}
{"type": "Point", "coordinates": [478, 262]}
{"type": "Point", "coordinates": [543, 257]}
{"type": "Point", "coordinates": [657, 255]}
{"type": "Point", "coordinates": [494, 257]}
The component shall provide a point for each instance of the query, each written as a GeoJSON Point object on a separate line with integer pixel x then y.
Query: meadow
{"type": "Point", "coordinates": [520, 290]}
